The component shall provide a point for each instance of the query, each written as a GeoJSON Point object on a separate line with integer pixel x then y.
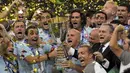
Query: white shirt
{"type": "Point", "coordinates": [106, 64]}
{"type": "Point", "coordinates": [124, 67]}
{"type": "Point", "coordinates": [105, 46]}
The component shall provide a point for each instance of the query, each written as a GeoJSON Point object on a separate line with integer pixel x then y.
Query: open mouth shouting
{"type": "Point", "coordinates": [45, 23]}
{"type": "Point", "coordinates": [75, 24]}
{"type": "Point", "coordinates": [103, 39]}
{"type": "Point", "coordinates": [120, 17]}
{"type": "Point", "coordinates": [82, 61]}
{"type": "Point", "coordinates": [35, 39]}
{"type": "Point", "coordinates": [20, 33]}
{"type": "Point", "coordinates": [21, 17]}
{"type": "Point", "coordinates": [70, 42]}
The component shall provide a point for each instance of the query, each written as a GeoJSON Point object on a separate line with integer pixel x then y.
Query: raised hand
{"type": "Point", "coordinates": [68, 64]}
{"type": "Point", "coordinates": [119, 28]}
{"type": "Point", "coordinates": [4, 42]}
{"type": "Point", "coordinates": [98, 56]}
{"type": "Point", "coordinates": [53, 53]}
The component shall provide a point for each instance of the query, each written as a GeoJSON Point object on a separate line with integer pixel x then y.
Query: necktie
{"type": "Point", "coordinates": [101, 48]}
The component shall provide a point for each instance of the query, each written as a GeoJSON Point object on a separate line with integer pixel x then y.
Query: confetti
{"type": "Point", "coordinates": [59, 7]}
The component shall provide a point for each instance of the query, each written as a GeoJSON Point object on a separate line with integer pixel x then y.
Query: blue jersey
{"type": "Point", "coordinates": [20, 50]}
{"type": "Point", "coordinates": [44, 35]}
{"type": "Point", "coordinates": [7, 66]}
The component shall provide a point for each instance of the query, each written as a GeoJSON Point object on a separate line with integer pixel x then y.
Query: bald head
{"type": "Point", "coordinates": [73, 37]}
{"type": "Point", "coordinates": [94, 36]}
{"type": "Point", "coordinates": [74, 31]}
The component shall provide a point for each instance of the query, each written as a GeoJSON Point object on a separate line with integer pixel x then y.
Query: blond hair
{"type": "Point", "coordinates": [114, 5]}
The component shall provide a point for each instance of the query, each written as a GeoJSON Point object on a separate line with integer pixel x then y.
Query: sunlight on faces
{"type": "Point", "coordinates": [84, 56]}
{"type": "Point", "coordinates": [19, 30]}
{"type": "Point", "coordinates": [104, 34]}
{"type": "Point", "coordinates": [110, 8]}
{"type": "Point", "coordinates": [73, 37]}
{"type": "Point", "coordinates": [76, 20]}
{"type": "Point", "coordinates": [33, 36]}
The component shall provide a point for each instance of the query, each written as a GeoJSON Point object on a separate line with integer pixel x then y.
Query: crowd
{"type": "Point", "coordinates": [91, 42]}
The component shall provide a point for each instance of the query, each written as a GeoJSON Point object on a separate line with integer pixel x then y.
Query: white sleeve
{"type": "Point", "coordinates": [98, 68]}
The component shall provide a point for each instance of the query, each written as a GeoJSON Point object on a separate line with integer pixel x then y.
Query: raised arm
{"type": "Point", "coordinates": [6, 12]}
{"type": "Point", "coordinates": [114, 41]}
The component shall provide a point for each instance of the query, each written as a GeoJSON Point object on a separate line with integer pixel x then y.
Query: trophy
{"type": "Point", "coordinates": [62, 56]}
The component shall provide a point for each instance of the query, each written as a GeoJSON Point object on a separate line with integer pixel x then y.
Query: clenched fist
{"type": "Point", "coordinates": [119, 28]}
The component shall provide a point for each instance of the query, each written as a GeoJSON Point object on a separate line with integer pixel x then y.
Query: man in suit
{"type": "Point", "coordinates": [102, 50]}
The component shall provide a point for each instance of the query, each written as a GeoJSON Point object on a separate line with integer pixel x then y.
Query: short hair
{"type": "Point", "coordinates": [109, 25]}
{"type": "Point", "coordinates": [114, 7]}
{"type": "Point", "coordinates": [90, 13]}
{"type": "Point", "coordinates": [113, 3]}
{"type": "Point", "coordinates": [30, 27]}
{"type": "Point", "coordinates": [90, 50]}
{"type": "Point", "coordinates": [83, 18]}
{"type": "Point", "coordinates": [18, 21]}
{"type": "Point", "coordinates": [94, 29]}
{"type": "Point", "coordinates": [102, 13]}
{"type": "Point", "coordinates": [75, 30]}
{"type": "Point", "coordinates": [47, 11]}
{"type": "Point", "coordinates": [124, 5]}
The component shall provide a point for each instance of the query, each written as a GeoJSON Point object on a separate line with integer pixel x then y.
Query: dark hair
{"type": "Point", "coordinates": [90, 13]}
{"type": "Point", "coordinates": [90, 50]}
{"type": "Point", "coordinates": [19, 21]}
{"type": "Point", "coordinates": [102, 13]}
{"type": "Point", "coordinates": [83, 19]}
{"type": "Point", "coordinates": [124, 5]}
{"type": "Point", "coordinates": [30, 27]}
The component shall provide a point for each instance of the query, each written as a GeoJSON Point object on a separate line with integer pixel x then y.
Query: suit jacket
{"type": "Point", "coordinates": [109, 55]}
{"type": "Point", "coordinates": [75, 54]}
